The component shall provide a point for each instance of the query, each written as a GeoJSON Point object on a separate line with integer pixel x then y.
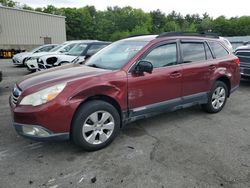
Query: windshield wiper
{"type": "Point", "coordinates": [94, 65]}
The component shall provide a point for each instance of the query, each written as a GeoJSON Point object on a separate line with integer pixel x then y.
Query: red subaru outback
{"type": "Point", "coordinates": [131, 79]}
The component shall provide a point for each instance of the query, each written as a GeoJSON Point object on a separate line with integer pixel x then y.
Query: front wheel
{"type": "Point", "coordinates": [217, 98]}
{"type": "Point", "coordinates": [95, 125]}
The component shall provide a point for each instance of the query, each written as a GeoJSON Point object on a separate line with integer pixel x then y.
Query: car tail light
{"type": "Point", "coordinates": [236, 61]}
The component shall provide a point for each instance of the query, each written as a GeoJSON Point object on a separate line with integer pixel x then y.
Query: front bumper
{"type": "Point", "coordinates": [16, 61]}
{"type": "Point", "coordinates": [55, 117]}
{"type": "Point", "coordinates": [39, 133]}
{"type": "Point", "coordinates": [32, 65]}
{"type": "Point", "coordinates": [245, 71]}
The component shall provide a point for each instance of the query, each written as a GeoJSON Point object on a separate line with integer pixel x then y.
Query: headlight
{"type": "Point", "coordinates": [39, 60]}
{"type": "Point", "coordinates": [43, 96]}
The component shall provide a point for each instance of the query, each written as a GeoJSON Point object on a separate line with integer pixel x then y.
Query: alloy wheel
{"type": "Point", "coordinates": [98, 127]}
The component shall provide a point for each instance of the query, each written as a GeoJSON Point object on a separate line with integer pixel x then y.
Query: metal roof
{"type": "Point", "coordinates": [31, 11]}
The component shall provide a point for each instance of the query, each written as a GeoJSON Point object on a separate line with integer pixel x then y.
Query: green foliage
{"type": "Point", "coordinates": [8, 3]}
{"type": "Point", "coordinates": [115, 23]}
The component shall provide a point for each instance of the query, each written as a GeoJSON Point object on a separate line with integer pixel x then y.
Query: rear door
{"type": "Point", "coordinates": [197, 63]}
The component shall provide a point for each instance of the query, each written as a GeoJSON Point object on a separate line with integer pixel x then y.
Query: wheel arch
{"type": "Point", "coordinates": [227, 81]}
{"type": "Point", "coordinates": [105, 98]}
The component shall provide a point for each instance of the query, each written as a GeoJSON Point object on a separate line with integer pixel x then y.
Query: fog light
{"type": "Point", "coordinates": [34, 131]}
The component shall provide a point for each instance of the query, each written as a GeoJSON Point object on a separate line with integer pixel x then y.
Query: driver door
{"type": "Point", "coordinates": [160, 89]}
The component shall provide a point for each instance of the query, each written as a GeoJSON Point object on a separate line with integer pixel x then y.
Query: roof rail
{"type": "Point", "coordinates": [202, 34]}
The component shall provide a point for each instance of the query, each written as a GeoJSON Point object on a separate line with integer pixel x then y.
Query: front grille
{"type": "Point", "coordinates": [44, 66]}
{"type": "Point", "coordinates": [246, 71]}
{"type": "Point", "coordinates": [244, 56]}
{"type": "Point", "coordinates": [15, 94]}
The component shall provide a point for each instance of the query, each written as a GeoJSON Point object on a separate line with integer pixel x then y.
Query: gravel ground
{"type": "Point", "coordinates": [186, 148]}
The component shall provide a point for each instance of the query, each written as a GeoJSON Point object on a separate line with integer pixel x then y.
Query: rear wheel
{"type": "Point", "coordinates": [95, 125]}
{"type": "Point", "coordinates": [217, 98]}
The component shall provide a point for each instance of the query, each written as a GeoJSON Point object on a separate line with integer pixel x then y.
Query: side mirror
{"type": "Point", "coordinates": [144, 66]}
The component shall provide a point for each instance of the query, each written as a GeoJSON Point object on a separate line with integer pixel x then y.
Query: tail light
{"type": "Point", "coordinates": [236, 61]}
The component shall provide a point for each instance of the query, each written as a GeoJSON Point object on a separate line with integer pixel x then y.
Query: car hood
{"type": "Point", "coordinates": [36, 55]}
{"type": "Point", "coordinates": [247, 47]}
{"type": "Point", "coordinates": [58, 75]}
{"type": "Point", "coordinates": [23, 54]}
{"type": "Point", "coordinates": [61, 57]}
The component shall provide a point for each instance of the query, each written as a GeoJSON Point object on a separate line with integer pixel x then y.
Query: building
{"type": "Point", "coordinates": [24, 29]}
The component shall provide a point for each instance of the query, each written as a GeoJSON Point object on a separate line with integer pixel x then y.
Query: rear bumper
{"type": "Point", "coordinates": [32, 132]}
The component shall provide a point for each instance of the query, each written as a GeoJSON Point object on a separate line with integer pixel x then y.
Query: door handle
{"type": "Point", "coordinates": [212, 67]}
{"type": "Point", "coordinates": [175, 74]}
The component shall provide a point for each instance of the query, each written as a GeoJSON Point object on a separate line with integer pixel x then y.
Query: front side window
{"type": "Point", "coordinates": [218, 50]}
{"type": "Point", "coordinates": [193, 51]}
{"type": "Point", "coordinates": [162, 56]}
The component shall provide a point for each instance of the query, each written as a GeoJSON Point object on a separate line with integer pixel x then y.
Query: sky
{"type": "Point", "coordinates": [214, 8]}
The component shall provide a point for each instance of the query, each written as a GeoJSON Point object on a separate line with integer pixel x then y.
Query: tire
{"type": "Point", "coordinates": [88, 129]}
{"type": "Point", "coordinates": [23, 63]}
{"type": "Point", "coordinates": [217, 98]}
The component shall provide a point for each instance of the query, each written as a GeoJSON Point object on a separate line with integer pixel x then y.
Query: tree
{"type": "Point", "coordinates": [159, 21]}
{"type": "Point", "coordinates": [8, 3]}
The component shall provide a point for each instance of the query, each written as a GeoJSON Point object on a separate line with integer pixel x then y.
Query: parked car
{"type": "Point", "coordinates": [227, 43]}
{"type": "Point", "coordinates": [80, 51]}
{"type": "Point", "coordinates": [20, 58]}
{"type": "Point", "coordinates": [31, 61]}
{"type": "Point", "coordinates": [243, 54]}
{"type": "Point", "coordinates": [128, 80]}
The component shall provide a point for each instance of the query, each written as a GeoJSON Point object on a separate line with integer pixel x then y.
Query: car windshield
{"type": "Point", "coordinates": [35, 49]}
{"type": "Point", "coordinates": [116, 55]}
{"type": "Point", "coordinates": [77, 50]}
{"type": "Point", "coordinates": [56, 48]}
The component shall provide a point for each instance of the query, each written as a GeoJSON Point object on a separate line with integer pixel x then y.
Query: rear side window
{"type": "Point", "coordinates": [193, 51]}
{"type": "Point", "coordinates": [163, 56]}
{"type": "Point", "coordinates": [218, 50]}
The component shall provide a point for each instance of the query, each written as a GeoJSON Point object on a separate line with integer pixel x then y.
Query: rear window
{"type": "Point", "coordinates": [193, 51]}
{"type": "Point", "coordinates": [218, 50]}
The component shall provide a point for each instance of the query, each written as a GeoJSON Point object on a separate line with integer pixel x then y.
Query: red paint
{"type": "Point", "coordinates": [127, 89]}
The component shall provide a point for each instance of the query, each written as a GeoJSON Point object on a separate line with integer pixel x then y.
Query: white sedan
{"type": "Point", "coordinates": [77, 54]}
{"type": "Point", "coordinates": [20, 58]}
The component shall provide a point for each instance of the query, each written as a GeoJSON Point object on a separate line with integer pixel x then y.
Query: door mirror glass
{"type": "Point", "coordinates": [144, 66]}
